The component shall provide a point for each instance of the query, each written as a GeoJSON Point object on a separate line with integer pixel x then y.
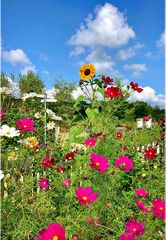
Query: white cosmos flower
{"type": "Point", "coordinates": [9, 131]}
{"type": "Point", "coordinates": [5, 90]}
{"type": "Point", "coordinates": [1, 175]}
{"type": "Point", "coordinates": [52, 115]}
{"type": "Point", "coordinates": [38, 115]}
{"type": "Point", "coordinates": [28, 95]}
{"type": "Point", "coordinates": [50, 125]}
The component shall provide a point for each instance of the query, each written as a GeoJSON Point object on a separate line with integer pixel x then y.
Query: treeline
{"type": "Point", "coordinates": [32, 82]}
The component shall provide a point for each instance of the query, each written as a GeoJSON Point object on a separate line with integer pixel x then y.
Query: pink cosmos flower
{"type": "Point", "coordinates": [25, 124]}
{"type": "Point", "coordinates": [90, 142]}
{"type": "Point", "coordinates": [124, 163]}
{"type": "Point", "coordinates": [158, 208]}
{"type": "Point", "coordinates": [127, 237]}
{"type": "Point", "coordinates": [134, 228]}
{"type": "Point", "coordinates": [54, 231]}
{"type": "Point", "coordinates": [90, 220]}
{"type": "Point", "coordinates": [98, 222]}
{"type": "Point", "coordinates": [141, 206]}
{"type": "Point", "coordinates": [85, 195]}
{"type": "Point", "coordinates": [99, 162]}
{"type": "Point", "coordinates": [142, 192]}
{"type": "Point", "coordinates": [44, 183]}
{"type": "Point", "coordinates": [95, 135]}
{"type": "Point", "coordinates": [66, 183]}
{"type": "Point", "coordinates": [48, 162]}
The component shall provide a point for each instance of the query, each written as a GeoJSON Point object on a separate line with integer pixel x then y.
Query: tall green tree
{"type": "Point", "coordinates": [30, 82]}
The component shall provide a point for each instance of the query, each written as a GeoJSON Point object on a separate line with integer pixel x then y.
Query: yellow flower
{"type": "Point", "coordinates": [12, 156]}
{"type": "Point", "coordinates": [31, 142]}
{"type": "Point", "coordinates": [87, 71]}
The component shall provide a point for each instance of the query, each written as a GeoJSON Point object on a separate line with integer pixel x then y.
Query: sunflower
{"type": "Point", "coordinates": [87, 71]}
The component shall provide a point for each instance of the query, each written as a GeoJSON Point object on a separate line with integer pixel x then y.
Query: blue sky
{"type": "Point", "coordinates": [122, 38]}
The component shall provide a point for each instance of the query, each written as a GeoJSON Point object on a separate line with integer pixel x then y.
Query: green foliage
{"type": "Point", "coordinates": [30, 82]}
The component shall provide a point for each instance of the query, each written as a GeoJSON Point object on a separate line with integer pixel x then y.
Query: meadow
{"type": "Point", "coordinates": [97, 183]}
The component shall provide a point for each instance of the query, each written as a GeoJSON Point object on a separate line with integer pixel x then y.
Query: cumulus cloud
{"type": "Point", "coordinates": [107, 27]}
{"type": "Point", "coordinates": [18, 57]}
{"type": "Point", "coordinates": [104, 64]}
{"type": "Point", "coordinates": [161, 42]}
{"type": "Point", "coordinates": [150, 96]}
{"type": "Point", "coordinates": [77, 51]}
{"type": "Point", "coordinates": [124, 54]}
{"type": "Point", "coordinates": [15, 57]}
{"type": "Point", "coordinates": [136, 68]}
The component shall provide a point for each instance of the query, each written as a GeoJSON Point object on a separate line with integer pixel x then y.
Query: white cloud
{"type": "Point", "coordinates": [18, 57]}
{"type": "Point", "coordinates": [27, 69]}
{"type": "Point", "coordinates": [107, 27]}
{"type": "Point", "coordinates": [149, 95]}
{"type": "Point", "coordinates": [102, 62]}
{"type": "Point", "coordinates": [15, 57]}
{"type": "Point", "coordinates": [77, 51]}
{"type": "Point", "coordinates": [136, 68]}
{"type": "Point", "coordinates": [161, 42]}
{"type": "Point", "coordinates": [46, 73]}
{"type": "Point", "coordinates": [129, 52]}
{"type": "Point", "coordinates": [51, 93]}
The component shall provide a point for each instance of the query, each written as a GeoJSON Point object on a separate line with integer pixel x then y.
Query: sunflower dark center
{"type": "Point", "coordinates": [87, 72]}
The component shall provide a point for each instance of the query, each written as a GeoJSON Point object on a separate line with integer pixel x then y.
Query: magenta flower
{"type": "Point", "coordinates": [85, 195]}
{"type": "Point", "coordinates": [134, 228]}
{"type": "Point", "coordinates": [95, 135]}
{"type": "Point", "coordinates": [124, 163]}
{"type": "Point", "coordinates": [99, 162]}
{"type": "Point", "coordinates": [142, 192]}
{"type": "Point", "coordinates": [141, 206]}
{"type": "Point", "coordinates": [127, 237]}
{"type": "Point", "coordinates": [158, 208]}
{"type": "Point", "coordinates": [44, 183]}
{"type": "Point", "coordinates": [53, 232]}
{"type": "Point", "coordinates": [90, 142]}
{"type": "Point", "coordinates": [3, 114]}
{"type": "Point", "coordinates": [26, 124]}
{"type": "Point", "coordinates": [66, 183]}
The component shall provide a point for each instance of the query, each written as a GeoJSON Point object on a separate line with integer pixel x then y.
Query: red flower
{"type": "Point", "coordinates": [60, 169]}
{"type": "Point", "coordinates": [113, 92]}
{"type": "Point", "coordinates": [158, 208]}
{"type": "Point", "coordinates": [107, 80]}
{"type": "Point", "coordinates": [134, 228]}
{"type": "Point", "coordinates": [147, 118]}
{"type": "Point", "coordinates": [124, 163]}
{"type": "Point", "coordinates": [85, 195]}
{"type": "Point", "coordinates": [99, 162]}
{"type": "Point", "coordinates": [142, 192]}
{"type": "Point", "coordinates": [25, 124]}
{"type": "Point", "coordinates": [44, 183]}
{"type": "Point", "coordinates": [54, 231]}
{"type": "Point", "coordinates": [119, 135]}
{"type": "Point", "coordinates": [150, 153]}
{"type": "Point", "coordinates": [3, 114]}
{"type": "Point", "coordinates": [48, 162]}
{"type": "Point", "coordinates": [90, 142]}
{"type": "Point", "coordinates": [141, 206]}
{"type": "Point", "coordinates": [135, 87]}
{"type": "Point", "coordinates": [95, 135]}
{"type": "Point", "coordinates": [70, 156]}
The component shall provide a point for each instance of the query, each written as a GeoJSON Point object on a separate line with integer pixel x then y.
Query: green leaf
{"type": "Point", "coordinates": [92, 114]}
{"type": "Point", "coordinates": [79, 99]}
{"type": "Point", "coordinates": [101, 90]}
